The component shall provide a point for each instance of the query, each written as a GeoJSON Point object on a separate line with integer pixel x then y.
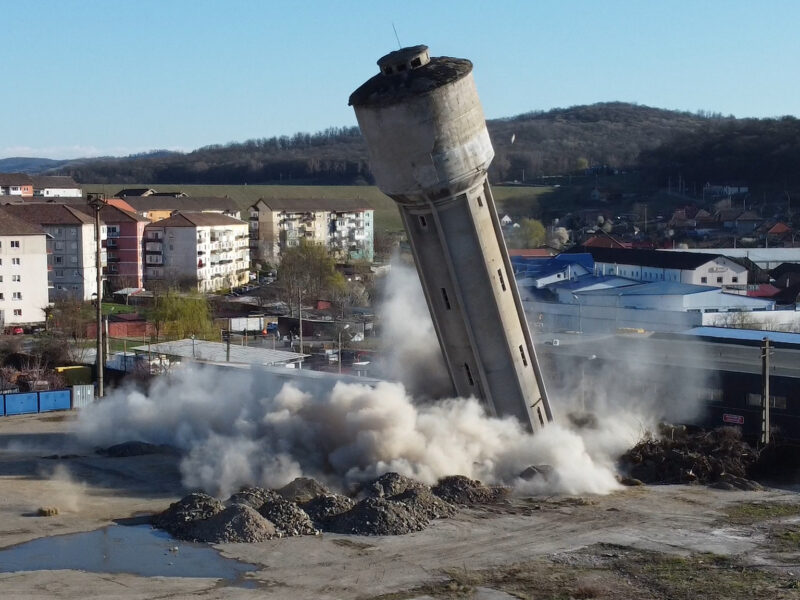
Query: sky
{"type": "Point", "coordinates": [115, 77]}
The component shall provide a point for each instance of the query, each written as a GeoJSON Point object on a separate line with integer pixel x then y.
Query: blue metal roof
{"type": "Point", "coordinates": [539, 267]}
{"type": "Point", "coordinates": [745, 334]}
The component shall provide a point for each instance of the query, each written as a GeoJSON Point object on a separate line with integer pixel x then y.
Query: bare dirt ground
{"type": "Point", "coordinates": [642, 542]}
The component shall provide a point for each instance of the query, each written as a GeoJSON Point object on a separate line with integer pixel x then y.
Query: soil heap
{"type": "Point", "coordinates": [181, 517]}
{"type": "Point", "coordinates": [288, 518]}
{"type": "Point", "coordinates": [237, 523]}
{"type": "Point", "coordinates": [678, 455]}
{"type": "Point", "coordinates": [458, 489]}
{"type": "Point", "coordinates": [323, 508]}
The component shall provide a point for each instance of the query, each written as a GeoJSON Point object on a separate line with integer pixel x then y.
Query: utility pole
{"type": "Point", "coordinates": [97, 202]}
{"type": "Point", "coordinates": [765, 426]}
{"type": "Point", "coordinates": [300, 315]}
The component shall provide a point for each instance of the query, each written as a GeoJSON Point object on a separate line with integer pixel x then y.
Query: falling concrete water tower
{"type": "Point", "coordinates": [429, 151]}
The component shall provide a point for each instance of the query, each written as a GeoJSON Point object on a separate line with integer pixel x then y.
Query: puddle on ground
{"type": "Point", "coordinates": [139, 550]}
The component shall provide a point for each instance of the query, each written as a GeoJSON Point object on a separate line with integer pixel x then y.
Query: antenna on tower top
{"type": "Point", "coordinates": [397, 37]}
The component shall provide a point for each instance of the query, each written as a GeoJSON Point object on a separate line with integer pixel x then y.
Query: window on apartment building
{"type": "Point", "coordinates": [734, 280]}
{"type": "Point", "coordinates": [73, 232]}
{"type": "Point", "coordinates": [719, 279]}
{"type": "Point", "coordinates": [59, 231]}
{"type": "Point", "coordinates": [58, 259]}
{"type": "Point", "coordinates": [16, 278]}
{"type": "Point", "coordinates": [2, 297]}
{"type": "Point", "coordinates": [15, 261]}
{"type": "Point", "coordinates": [774, 401]}
{"type": "Point", "coordinates": [74, 259]}
{"type": "Point", "coordinates": [704, 280]}
{"type": "Point", "coordinates": [59, 245]}
{"type": "Point", "coordinates": [16, 296]}
{"type": "Point", "coordinates": [15, 243]}
{"type": "Point", "coordinates": [59, 272]}
{"type": "Point", "coordinates": [17, 312]}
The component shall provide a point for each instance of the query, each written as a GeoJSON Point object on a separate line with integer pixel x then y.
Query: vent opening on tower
{"type": "Point", "coordinates": [469, 374]}
{"type": "Point", "coordinates": [446, 299]}
{"type": "Point", "coordinates": [480, 201]}
{"type": "Point", "coordinates": [423, 222]}
{"type": "Point", "coordinates": [502, 281]}
{"type": "Point", "coordinates": [522, 353]}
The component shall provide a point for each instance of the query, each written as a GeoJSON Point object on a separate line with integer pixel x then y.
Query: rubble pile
{"type": "Point", "coordinates": [322, 508]}
{"type": "Point", "coordinates": [378, 516]}
{"type": "Point", "coordinates": [181, 516]}
{"type": "Point", "coordinates": [678, 455]}
{"type": "Point", "coordinates": [422, 501]}
{"type": "Point", "coordinates": [235, 524]}
{"type": "Point", "coordinates": [303, 489]}
{"type": "Point", "coordinates": [458, 489]}
{"type": "Point", "coordinates": [389, 484]}
{"type": "Point", "coordinates": [253, 497]}
{"type": "Point", "coordinates": [288, 518]}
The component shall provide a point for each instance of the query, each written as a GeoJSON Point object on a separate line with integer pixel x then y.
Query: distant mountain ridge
{"type": "Point", "coordinates": [559, 141]}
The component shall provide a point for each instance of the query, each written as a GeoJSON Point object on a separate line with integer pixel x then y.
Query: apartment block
{"type": "Point", "coordinates": [345, 227]}
{"type": "Point", "coordinates": [71, 246]}
{"type": "Point", "coordinates": [23, 272]}
{"type": "Point", "coordinates": [206, 250]}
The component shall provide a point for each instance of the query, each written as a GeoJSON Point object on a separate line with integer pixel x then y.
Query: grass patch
{"type": "Point", "coordinates": [748, 513]}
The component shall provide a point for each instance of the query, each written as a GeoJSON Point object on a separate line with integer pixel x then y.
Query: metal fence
{"type": "Point", "coordinates": [27, 403]}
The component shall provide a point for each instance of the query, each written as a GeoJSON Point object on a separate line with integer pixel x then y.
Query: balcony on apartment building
{"type": "Point", "coordinates": [153, 247]}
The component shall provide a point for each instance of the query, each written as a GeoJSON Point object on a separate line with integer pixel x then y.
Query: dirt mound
{"type": "Point", "coordinates": [253, 497]}
{"type": "Point", "coordinates": [422, 502]}
{"type": "Point", "coordinates": [235, 524]}
{"type": "Point", "coordinates": [678, 455]}
{"type": "Point", "coordinates": [378, 516]}
{"type": "Point", "coordinates": [389, 484]}
{"type": "Point", "coordinates": [134, 448]}
{"type": "Point", "coordinates": [180, 517]}
{"type": "Point", "coordinates": [303, 489]}
{"type": "Point", "coordinates": [323, 508]}
{"type": "Point", "coordinates": [458, 489]}
{"type": "Point", "coordinates": [288, 518]}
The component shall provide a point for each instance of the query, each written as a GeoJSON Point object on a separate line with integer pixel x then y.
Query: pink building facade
{"type": "Point", "coordinates": [125, 231]}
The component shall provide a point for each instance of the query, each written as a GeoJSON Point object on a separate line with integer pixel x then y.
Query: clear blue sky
{"type": "Point", "coordinates": [91, 77]}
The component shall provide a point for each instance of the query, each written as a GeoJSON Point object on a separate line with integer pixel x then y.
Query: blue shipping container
{"type": "Point", "coordinates": [54, 400]}
{"type": "Point", "coordinates": [22, 404]}
{"type": "Point", "coordinates": [2, 406]}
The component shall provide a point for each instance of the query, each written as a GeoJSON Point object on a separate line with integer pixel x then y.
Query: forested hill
{"type": "Point", "coordinates": [619, 135]}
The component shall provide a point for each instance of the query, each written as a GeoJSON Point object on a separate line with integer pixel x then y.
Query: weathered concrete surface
{"type": "Point", "coordinates": [667, 519]}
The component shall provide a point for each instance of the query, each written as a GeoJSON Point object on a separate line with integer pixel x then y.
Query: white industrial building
{"type": "Point", "coordinates": [71, 247]}
{"type": "Point", "coordinates": [680, 267]}
{"type": "Point", "coordinates": [55, 186]}
{"type": "Point", "coordinates": [23, 272]}
{"type": "Point", "coordinates": [344, 226]}
{"type": "Point", "coordinates": [208, 250]}
{"type": "Point", "coordinates": [766, 258]}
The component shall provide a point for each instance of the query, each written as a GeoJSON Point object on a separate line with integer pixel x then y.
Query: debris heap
{"type": "Point", "coordinates": [237, 523]}
{"type": "Point", "coordinates": [180, 519]}
{"type": "Point", "coordinates": [463, 490]}
{"type": "Point", "coordinates": [288, 518]}
{"type": "Point", "coordinates": [326, 506]}
{"type": "Point", "coordinates": [678, 455]}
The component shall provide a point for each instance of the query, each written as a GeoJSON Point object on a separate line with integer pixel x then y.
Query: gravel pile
{"type": "Point", "coordinates": [422, 502]}
{"type": "Point", "coordinates": [389, 484]}
{"type": "Point", "coordinates": [458, 489]}
{"type": "Point", "coordinates": [288, 518]}
{"type": "Point", "coordinates": [253, 497]}
{"type": "Point", "coordinates": [181, 516]}
{"type": "Point", "coordinates": [680, 456]}
{"type": "Point", "coordinates": [378, 516]}
{"type": "Point", "coordinates": [322, 508]}
{"type": "Point", "coordinates": [302, 489]}
{"type": "Point", "coordinates": [235, 524]}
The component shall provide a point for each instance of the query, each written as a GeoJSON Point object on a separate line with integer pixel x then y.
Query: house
{"type": "Point", "coordinates": [205, 250]}
{"type": "Point", "coordinates": [16, 184]}
{"type": "Point", "coordinates": [657, 265]}
{"type": "Point", "coordinates": [23, 271]}
{"type": "Point", "coordinates": [156, 207]}
{"type": "Point", "coordinates": [71, 246]}
{"type": "Point", "coordinates": [344, 226]}
{"type": "Point", "coordinates": [55, 186]}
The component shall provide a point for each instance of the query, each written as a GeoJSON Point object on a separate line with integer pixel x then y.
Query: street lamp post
{"type": "Point", "coordinates": [340, 346]}
{"type": "Point", "coordinates": [97, 202]}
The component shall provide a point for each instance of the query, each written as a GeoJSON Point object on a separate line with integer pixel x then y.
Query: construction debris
{"type": "Point", "coordinates": [389, 484]}
{"type": "Point", "coordinates": [378, 516]}
{"type": "Point", "coordinates": [303, 489]}
{"type": "Point", "coordinates": [237, 523]}
{"type": "Point", "coordinates": [288, 518]}
{"type": "Point", "coordinates": [323, 508]}
{"type": "Point", "coordinates": [181, 516]}
{"type": "Point", "coordinates": [422, 502]}
{"type": "Point", "coordinates": [254, 497]}
{"type": "Point", "coordinates": [458, 489]}
{"type": "Point", "coordinates": [678, 455]}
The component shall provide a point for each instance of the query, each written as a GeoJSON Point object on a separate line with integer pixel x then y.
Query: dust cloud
{"type": "Point", "coordinates": [240, 427]}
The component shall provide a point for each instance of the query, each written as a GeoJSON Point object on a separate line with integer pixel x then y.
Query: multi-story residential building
{"type": "Point", "coordinates": [345, 227]}
{"type": "Point", "coordinates": [157, 206]}
{"type": "Point", "coordinates": [71, 246]}
{"type": "Point", "coordinates": [55, 186]}
{"type": "Point", "coordinates": [124, 248]}
{"type": "Point", "coordinates": [23, 271]}
{"type": "Point", "coordinates": [206, 250]}
{"type": "Point", "coordinates": [16, 184]}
